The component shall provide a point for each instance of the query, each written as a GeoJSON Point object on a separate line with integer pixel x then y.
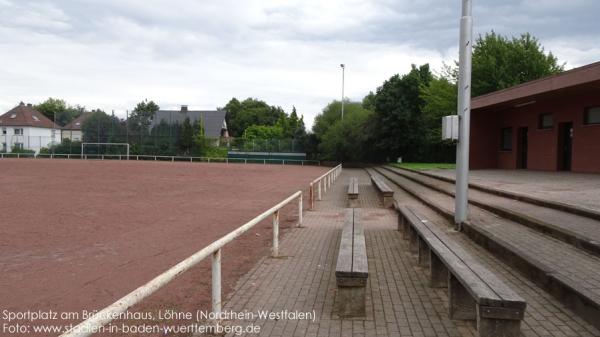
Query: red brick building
{"type": "Point", "coordinates": [549, 124]}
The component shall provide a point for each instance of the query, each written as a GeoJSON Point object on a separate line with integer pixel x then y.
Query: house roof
{"type": "Point", "coordinates": [582, 78]}
{"type": "Point", "coordinates": [214, 120]}
{"type": "Point", "coordinates": [26, 115]}
{"type": "Point", "coordinates": [77, 123]}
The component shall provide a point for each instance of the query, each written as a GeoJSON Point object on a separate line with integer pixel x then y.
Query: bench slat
{"type": "Point", "coordinates": [344, 262]}
{"type": "Point", "coordinates": [353, 187]}
{"type": "Point", "coordinates": [508, 296]}
{"type": "Point", "coordinates": [359, 262]}
{"type": "Point", "coordinates": [478, 289]}
{"type": "Point", "coordinates": [381, 186]}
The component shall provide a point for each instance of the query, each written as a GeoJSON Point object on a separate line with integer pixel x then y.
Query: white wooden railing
{"type": "Point", "coordinates": [324, 182]}
{"type": "Point", "coordinates": [104, 316]}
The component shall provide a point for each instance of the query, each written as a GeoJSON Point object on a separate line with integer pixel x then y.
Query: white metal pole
{"type": "Point", "coordinates": [276, 233]}
{"type": "Point", "coordinates": [216, 282]}
{"type": "Point", "coordinates": [343, 80]}
{"type": "Point", "coordinates": [464, 112]}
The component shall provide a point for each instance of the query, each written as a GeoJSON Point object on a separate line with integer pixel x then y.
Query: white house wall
{"type": "Point", "coordinates": [32, 139]}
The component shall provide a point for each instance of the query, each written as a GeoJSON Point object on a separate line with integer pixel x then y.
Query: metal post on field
{"type": "Point", "coordinates": [276, 234]}
{"type": "Point", "coordinates": [216, 283]}
{"type": "Point", "coordinates": [464, 112]}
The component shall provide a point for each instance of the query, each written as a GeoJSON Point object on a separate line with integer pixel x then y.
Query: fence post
{"type": "Point", "coordinates": [311, 196]}
{"type": "Point", "coordinates": [216, 283]}
{"type": "Point", "coordinates": [276, 234]}
{"type": "Point", "coordinates": [300, 210]}
{"type": "Point", "coordinates": [319, 194]}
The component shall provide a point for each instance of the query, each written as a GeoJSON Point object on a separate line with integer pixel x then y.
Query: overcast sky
{"type": "Point", "coordinates": [111, 54]}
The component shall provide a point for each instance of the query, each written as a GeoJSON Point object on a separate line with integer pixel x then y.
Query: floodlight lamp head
{"type": "Point", "coordinates": [342, 65]}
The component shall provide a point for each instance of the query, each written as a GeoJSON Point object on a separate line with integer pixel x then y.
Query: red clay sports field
{"type": "Point", "coordinates": [78, 235]}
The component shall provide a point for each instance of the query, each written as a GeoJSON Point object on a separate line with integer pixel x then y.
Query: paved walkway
{"type": "Point", "coordinates": [399, 302]}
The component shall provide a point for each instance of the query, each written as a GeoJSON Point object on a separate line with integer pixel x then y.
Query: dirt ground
{"type": "Point", "coordinates": [78, 235]}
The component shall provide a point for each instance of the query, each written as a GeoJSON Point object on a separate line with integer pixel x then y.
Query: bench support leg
{"type": "Point", "coordinates": [437, 271]}
{"type": "Point", "coordinates": [494, 326]}
{"type": "Point", "coordinates": [413, 243]}
{"type": "Point", "coordinates": [423, 253]}
{"type": "Point", "coordinates": [462, 305]}
{"type": "Point", "coordinates": [388, 202]}
{"type": "Point", "coordinates": [350, 301]}
{"type": "Point", "coordinates": [401, 225]}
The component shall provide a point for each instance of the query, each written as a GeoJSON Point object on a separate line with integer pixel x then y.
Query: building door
{"type": "Point", "coordinates": [565, 146]}
{"type": "Point", "coordinates": [522, 148]}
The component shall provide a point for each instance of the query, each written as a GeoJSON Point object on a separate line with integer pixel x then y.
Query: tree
{"type": "Point", "coordinates": [332, 113]}
{"type": "Point", "coordinates": [200, 136]}
{"type": "Point", "coordinates": [440, 98]}
{"type": "Point", "coordinates": [142, 115]}
{"type": "Point", "coordinates": [57, 107]}
{"type": "Point", "coordinates": [100, 127]}
{"type": "Point", "coordinates": [340, 139]}
{"type": "Point", "coordinates": [186, 140]}
{"type": "Point", "coordinates": [241, 115]}
{"type": "Point", "coordinates": [396, 128]}
{"type": "Point", "coordinates": [263, 132]}
{"type": "Point", "coordinates": [346, 140]}
{"type": "Point", "coordinates": [500, 62]}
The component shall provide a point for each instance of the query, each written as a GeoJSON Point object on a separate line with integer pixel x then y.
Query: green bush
{"type": "Point", "coordinates": [19, 150]}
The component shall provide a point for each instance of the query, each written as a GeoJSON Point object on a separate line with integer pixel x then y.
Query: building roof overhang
{"type": "Point", "coordinates": [586, 78]}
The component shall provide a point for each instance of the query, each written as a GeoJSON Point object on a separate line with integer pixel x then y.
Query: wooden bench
{"type": "Point", "coordinates": [353, 193]}
{"type": "Point", "coordinates": [475, 293]}
{"type": "Point", "coordinates": [351, 271]}
{"type": "Point", "coordinates": [385, 192]}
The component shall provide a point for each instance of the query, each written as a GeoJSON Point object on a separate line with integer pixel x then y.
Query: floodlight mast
{"type": "Point", "coordinates": [464, 112]}
{"type": "Point", "coordinates": [343, 75]}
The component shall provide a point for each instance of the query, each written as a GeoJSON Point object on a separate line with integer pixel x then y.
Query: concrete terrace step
{"type": "Point", "coordinates": [580, 231]}
{"type": "Point", "coordinates": [568, 273]}
{"type": "Point", "coordinates": [569, 208]}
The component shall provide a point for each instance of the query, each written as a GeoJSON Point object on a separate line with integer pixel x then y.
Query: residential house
{"type": "Point", "coordinates": [23, 127]}
{"type": "Point", "coordinates": [72, 130]}
{"type": "Point", "coordinates": [214, 122]}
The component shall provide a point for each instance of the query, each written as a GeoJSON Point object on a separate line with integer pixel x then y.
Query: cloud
{"type": "Point", "coordinates": [112, 54]}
